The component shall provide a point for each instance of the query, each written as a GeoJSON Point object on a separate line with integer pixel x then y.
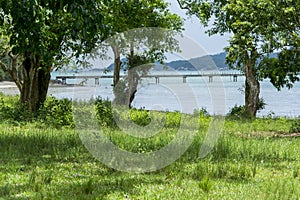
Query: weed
{"type": "Point", "coordinates": [205, 184]}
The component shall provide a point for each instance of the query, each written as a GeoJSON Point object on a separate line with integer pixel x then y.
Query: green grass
{"type": "Point", "coordinates": [42, 156]}
{"type": "Point", "coordinates": [248, 162]}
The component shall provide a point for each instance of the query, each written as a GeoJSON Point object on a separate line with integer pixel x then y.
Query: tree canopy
{"type": "Point", "coordinates": [39, 35]}
{"type": "Point", "coordinates": [260, 28]}
{"type": "Point", "coordinates": [125, 20]}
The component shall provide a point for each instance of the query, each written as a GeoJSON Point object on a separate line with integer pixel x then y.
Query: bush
{"type": "Point", "coordinates": [104, 112]}
{"type": "Point", "coordinates": [201, 112]}
{"type": "Point", "coordinates": [12, 111]}
{"type": "Point", "coordinates": [239, 112]}
{"type": "Point", "coordinates": [295, 128]}
{"type": "Point", "coordinates": [140, 117]}
{"type": "Point", "coordinates": [56, 113]}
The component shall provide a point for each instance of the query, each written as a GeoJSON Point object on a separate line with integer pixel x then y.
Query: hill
{"type": "Point", "coordinates": [203, 63]}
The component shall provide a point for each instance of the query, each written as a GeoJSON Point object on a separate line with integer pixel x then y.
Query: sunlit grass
{"type": "Point", "coordinates": [247, 162]}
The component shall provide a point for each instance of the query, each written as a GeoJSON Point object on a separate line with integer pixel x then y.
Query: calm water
{"type": "Point", "coordinates": [172, 94]}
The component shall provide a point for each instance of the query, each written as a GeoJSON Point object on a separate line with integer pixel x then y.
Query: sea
{"type": "Point", "coordinates": [172, 94]}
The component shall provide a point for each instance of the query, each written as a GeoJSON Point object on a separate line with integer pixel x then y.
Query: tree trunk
{"type": "Point", "coordinates": [117, 89]}
{"type": "Point", "coordinates": [133, 80]}
{"type": "Point", "coordinates": [35, 83]}
{"type": "Point", "coordinates": [117, 65]}
{"type": "Point", "coordinates": [252, 91]}
{"type": "Point", "coordinates": [133, 77]}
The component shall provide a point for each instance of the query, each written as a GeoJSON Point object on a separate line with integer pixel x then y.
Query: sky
{"type": "Point", "coordinates": [195, 42]}
{"type": "Point", "coordinates": [195, 31]}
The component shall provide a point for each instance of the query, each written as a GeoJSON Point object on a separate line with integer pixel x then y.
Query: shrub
{"type": "Point", "coordinates": [239, 112]}
{"type": "Point", "coordinates": [12, 111]}
{"type": "Point", "coordinates": [140, 117]}
{"type": "Point", "coordinates": [295, 128]}
{"type": "Point", "coordinates": [201, 112]}
{"type": "Point", "coordinates": [56, 113]}
{"type": "Point", "coordinates": [104, 112]}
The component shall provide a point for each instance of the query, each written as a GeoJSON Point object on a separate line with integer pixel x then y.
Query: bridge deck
{"type": "Point", "coordinates": [147, 76]}
{"type": "Point", "coordinates": [184, 76]}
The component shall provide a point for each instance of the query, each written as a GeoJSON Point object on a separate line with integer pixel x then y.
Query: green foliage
{"type": "Point", "coordinates": [40, 35]}
{"type": "Point", "coordinates": [129, 34]}
{"type": "Point", "coordinates": [283, 70]}
{"type": "Point", "coordinates": [201, 112]}
{"type": "Point", "coordinates": [12, 111]}
{"type": "Point", "coordinates": [77, 25]}
{"type": "Point", "coordinates": [121, 16]}
{"type": "Point", "coordinates": [239, 112]}
{"type": "Point", "coordinates": [56, 113]}
{"type": "Point", "coordinates": [259, 29]}
{"type": "Point", "coordinates": [4, 76]}
{"type": "Point", "coordinates": [104, 112]}
{"type": "Point", "coordinates": [295, 128]}
{"type": "Point", "coordinates": [141, 117]}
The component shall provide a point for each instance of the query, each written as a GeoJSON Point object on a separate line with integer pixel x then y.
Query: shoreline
{"type": "Point", "coordinates": [10, 88]}
{"type": "Point", "coordinates": [273, 108]}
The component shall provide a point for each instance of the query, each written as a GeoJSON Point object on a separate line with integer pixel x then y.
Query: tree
{"type": "Point", "coordinates": [143, 49]}
{"type": "Point", "coordinates": [39, 36]}
{"type": "Point", "coordinates": [260, 28]}
{"type": "Point", "coordinates": [122, 16]}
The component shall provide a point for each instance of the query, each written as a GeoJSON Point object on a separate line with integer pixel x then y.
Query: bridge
{"type": "Point", "coordinates": [210, 76]}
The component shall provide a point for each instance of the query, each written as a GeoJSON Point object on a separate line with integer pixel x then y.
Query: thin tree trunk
{"type": "Point", "coordinates": [252, 90]}
{"type": "Point", "coordinates": [13, 70]}
{"type": "Point", "coordinates": [117, 65]}
{"type": "Point", "coordinates": [117, 89]}
{"type": "Point", "coordinates": [133, 79]}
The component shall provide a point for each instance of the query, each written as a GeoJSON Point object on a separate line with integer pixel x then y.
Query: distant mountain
{"type": "Point", "coordinates": [207, 62]}
{"type": "Point", "coordinates": [204, 63]}
{"type": "Point", "coordinates": [220, 60]}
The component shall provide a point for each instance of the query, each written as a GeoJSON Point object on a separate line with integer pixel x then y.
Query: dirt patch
{"type": "Point", "coordinates": [287, 135]}
{"type": "Point", "coordinates": [265, 134]}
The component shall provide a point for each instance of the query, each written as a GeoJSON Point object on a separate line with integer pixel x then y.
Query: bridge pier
{"type": "Point", "coordinates": [234, 78]}
{"type": "Point", "coordinates": [97, 81]}
{"type": "Point", "coordinates": [64, 80]}
{"type": "Point", "coordinates": [156, 79]}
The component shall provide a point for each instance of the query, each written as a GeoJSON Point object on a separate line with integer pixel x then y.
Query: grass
{"type": "Point", "coordinates": [247, 162]}
{"type": "Point", "coordinates": [42, 157]}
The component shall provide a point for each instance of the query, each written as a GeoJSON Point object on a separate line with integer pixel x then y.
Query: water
{"type": "Point", "coordinates": [172, 94]}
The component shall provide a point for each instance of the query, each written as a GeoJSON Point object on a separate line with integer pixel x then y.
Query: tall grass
{"type": "Point", "coordinates": [249, 161]}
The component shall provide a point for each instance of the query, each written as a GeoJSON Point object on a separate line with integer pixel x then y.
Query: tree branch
{"type": "Point", "coordinates": [13, 74]}
{"type": "Point", "coordinates": [13, 57]}
{"type": "Point", "coordinates": [183, 7]}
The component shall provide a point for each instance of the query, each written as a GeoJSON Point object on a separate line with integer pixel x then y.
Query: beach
{"type": "Point", "coordinates": [10, 88]}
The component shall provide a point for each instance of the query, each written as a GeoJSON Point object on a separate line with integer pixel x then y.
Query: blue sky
{"type": "Point", "coordinates": [196, 42]}
{"type": "Point", "coordinates": [196, 31]}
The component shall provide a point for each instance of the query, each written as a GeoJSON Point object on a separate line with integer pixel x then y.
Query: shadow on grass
{"type": "Point", "coordinates": [98, 187]}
